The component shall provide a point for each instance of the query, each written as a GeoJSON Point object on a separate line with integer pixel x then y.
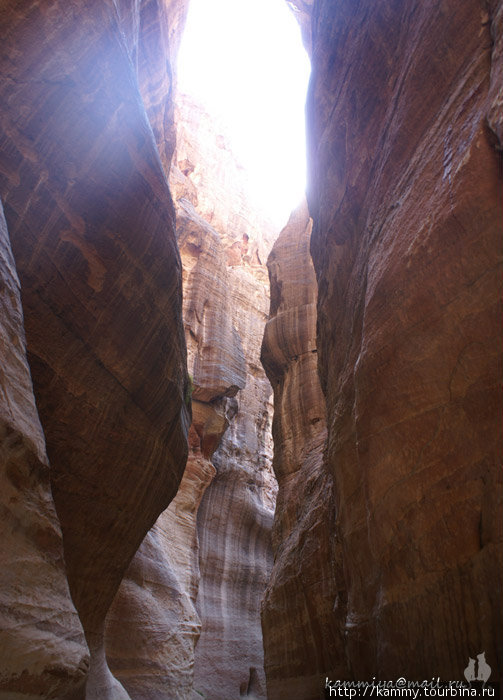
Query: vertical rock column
{"type": "Point", "coordinates": [92, 230]}
{"type": "Point", "coordinates": [224, 241]}
{"type": "Point", "coordinates": [300, 636]}
{"type": "Point", "coordinates": [235, 520]}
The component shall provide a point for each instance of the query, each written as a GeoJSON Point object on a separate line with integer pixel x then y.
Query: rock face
{"type": "Point", "coordinates": [235, 521]}
{"type": "Point", "coordinates": [404, 125]}
{"type": "Point", "coordinates": [153, 626]}
{"type": "Point", "coordinates": [302, 588]}
{"type": "Point", "coordinates": [226, 310]}
{"type": "Point", "coordinates": [213, 542]}
{"type": "Point", "coordinates": [387, 536]}
{"type": "Point", "coordinates": [43, 651]}
{"type": "Point", "coordinates": [91, 224]}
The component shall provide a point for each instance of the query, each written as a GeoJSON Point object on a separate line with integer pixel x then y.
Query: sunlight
{"type": "Point", "coordinates": [244, 61]}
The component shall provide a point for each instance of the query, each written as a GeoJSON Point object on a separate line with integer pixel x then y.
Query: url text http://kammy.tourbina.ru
{"type": "Point", "coordinates": [413, 690]}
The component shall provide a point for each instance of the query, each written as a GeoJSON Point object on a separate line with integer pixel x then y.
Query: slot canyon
{"type": "Point", "coordinates": [239, 461]}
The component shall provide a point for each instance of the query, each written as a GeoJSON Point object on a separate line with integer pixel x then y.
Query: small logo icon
{"type": "Point", "coordinates": [478, 670]}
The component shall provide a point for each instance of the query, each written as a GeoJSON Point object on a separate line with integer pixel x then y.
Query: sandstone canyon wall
{"type": "Point", "coordinates": [297, 610]}
{"type": "Point", "coordinates": [387, 535]}
{"type": "Point", "coordinates": [404, 139]}
{"type": "Point", "coordinates": [41, 639]}
{"type": "Point", "coordinates": [88, 134]}
{"type": "Point", "coordinates": [201, 571]}
{"type": "Point", "coordinates": [224, 241]}
{"type": "Point", "coordinates": [91, 224]}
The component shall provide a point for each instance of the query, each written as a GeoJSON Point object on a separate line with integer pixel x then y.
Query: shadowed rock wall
{"type": "Point", "coordinates": [297, 612]}
{"type": "Point", "coordinates": [404, 134]}
{"type": "Point", "coordinates": [42, 644]}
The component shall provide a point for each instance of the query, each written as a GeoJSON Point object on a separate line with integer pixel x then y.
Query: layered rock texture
{"type": "Point", "coordinates": [224, 243]}
{"type": "Point", "coordinates": [153, 626]}
{"type": "Point", "coordinates": [302, 584]}
{"type": "Point", "coordinates": [201, 572]}
{"type": "Point", "coordinates": [87, 140]}
{"type": "Point", "coordinates": [404, 130]}
{"type": "Point", "coordinates": [41, 639]}
{"type": "Point", "coordinates": [387, 535]}
{"type": "Point", "coordinates": [91, 225]}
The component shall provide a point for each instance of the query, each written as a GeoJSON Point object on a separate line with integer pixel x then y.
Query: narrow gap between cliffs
{"type": "Point", "coordinates": [245, 63]}
{"type": "Point", "coordinates": [237, 174]}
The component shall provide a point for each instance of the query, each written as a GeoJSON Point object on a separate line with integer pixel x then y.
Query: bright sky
{"type": "Point", "coordinates": [245, 62]}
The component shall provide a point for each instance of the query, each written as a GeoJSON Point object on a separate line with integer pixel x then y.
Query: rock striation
{"type": "Point", "coordinates": [202, 570]}
{"type": "Point", "coordinates": [43, 650]}
{"type": "Point", "coordinates": [153, 626]}
{"type": "Point", "coordinates": [297, 613]}
{"type": "Point", "coordinates": [235, 521]}
{"type": "Point", "coordinates": [223, 242]}
{"type": "Point", "coordinates": [388, 530]}
{"type": "Point", "coordinates": [404, 134]}
{"type": "Point", "coordinates": [91, 224]}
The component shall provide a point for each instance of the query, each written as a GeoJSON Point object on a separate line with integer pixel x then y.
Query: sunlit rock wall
{"type": "Point", "coordinates": [153, 626]}
{"type": "Point", "coordinates": [235, 520]}
{"type": "Point", "coordinates": [216, 550]}
{"type": "Point", "coordinates": [224, 243]}
{"type": "Point", "coordinates": [91, 224]}
{"type": "Point", "coordinates": [404, 140]}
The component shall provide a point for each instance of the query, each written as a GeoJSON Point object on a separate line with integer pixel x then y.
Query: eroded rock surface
{"type": "Point", "coordinates": [302, 590]}
{"type": "Point", "coordinates": [235, 520]}
{"type": "Point", "coordinates": [43, 651]}
{"type": "Point", "coordinates": [228, 288]}
{"type": "Point", "coordinates": [404, 132]}
{"type": "Point", "coordinates": [153, 626]}
{"type": "Point", "coordinates": [213, 542]}
{"type": "Point", "coordinates": [92, 230]}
